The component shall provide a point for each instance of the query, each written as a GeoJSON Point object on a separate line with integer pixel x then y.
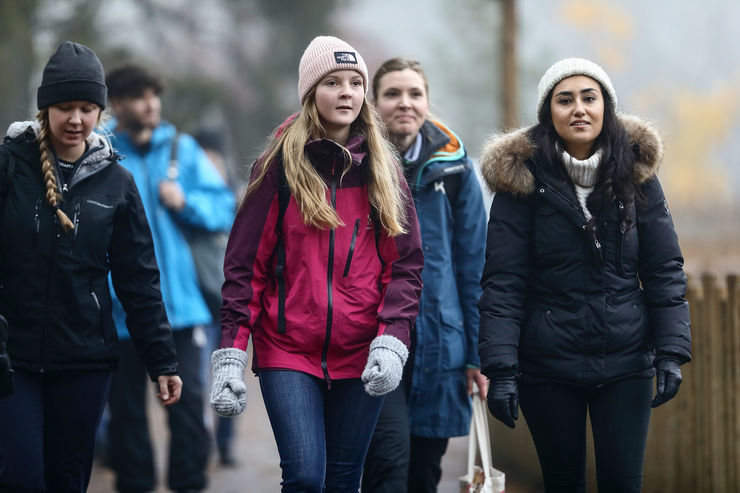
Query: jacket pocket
{"type": "Point", "coordinates": [452, 341]}
{"type": "Point", "coordinates": [96, 302]}
{"type": "Point", "coordinates": [351, 248]}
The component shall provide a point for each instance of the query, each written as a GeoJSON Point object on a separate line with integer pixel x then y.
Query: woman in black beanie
{"type": "Point", "coordinates": [70, 214]}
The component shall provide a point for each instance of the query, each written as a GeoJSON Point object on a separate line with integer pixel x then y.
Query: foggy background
{"type": "Point", "coordinates": [232, 65]}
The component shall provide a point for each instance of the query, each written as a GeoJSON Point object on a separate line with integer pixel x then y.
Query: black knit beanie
{"type": "Point", "coordinates": [73, 73]}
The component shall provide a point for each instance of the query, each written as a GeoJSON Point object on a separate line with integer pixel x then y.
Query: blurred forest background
{"type": "Point", "coordinates": [232, 65]}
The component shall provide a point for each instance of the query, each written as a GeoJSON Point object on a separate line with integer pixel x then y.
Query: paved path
{"type": "Point", "coordinates": [259, 470]}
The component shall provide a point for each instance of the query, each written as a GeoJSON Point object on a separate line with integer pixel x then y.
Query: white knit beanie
{"type": "Point", "coordinates": [569, 67]}
{"type": "Point", "coordinates": [324, 55]}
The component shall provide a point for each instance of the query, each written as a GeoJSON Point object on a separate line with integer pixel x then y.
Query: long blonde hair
{"type": "Point", "coordinates": [307, 186]}
{"type": "Point", "coordinates": [53, 196]}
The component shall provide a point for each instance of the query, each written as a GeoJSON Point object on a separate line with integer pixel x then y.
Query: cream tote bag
{"type": "Point", "coordinates": [484, 478]}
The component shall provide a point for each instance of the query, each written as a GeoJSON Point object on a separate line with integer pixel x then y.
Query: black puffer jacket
{"type": "Point", "coordinates": [54, 285]}
{"type": "Point", "coordinates": [560, 304]}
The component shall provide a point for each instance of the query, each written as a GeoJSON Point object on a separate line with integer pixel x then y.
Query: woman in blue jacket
{"type": "Point", "coordinates": [434, 403]}
{"type": "Point", "coordinates": [583, 287]}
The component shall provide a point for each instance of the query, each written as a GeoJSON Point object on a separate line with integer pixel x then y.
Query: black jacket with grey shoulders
{"type": "Point", "coordinates": [54, 284]}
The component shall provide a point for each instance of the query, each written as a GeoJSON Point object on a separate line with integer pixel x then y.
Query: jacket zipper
{"type": "Point", "coordinates": [351, 248]}
{"type": "Point", "coordinates": [329, 275]}
{"type": "Point", "coordinates": [52, 255]}
{"type": "Point", "coordinates": [36, 223]}
{"type": "Point", "coordinates": [620, 245]}
{"type": "Point", "coordinates": [76, 219]}
{"type": "Point", "coordinates": [595, 240]}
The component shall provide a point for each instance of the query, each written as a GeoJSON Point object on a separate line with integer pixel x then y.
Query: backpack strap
{"type": "Point", "coordinates": [283, 200]}
{"type": "Point", "coordinates": [173, 170]}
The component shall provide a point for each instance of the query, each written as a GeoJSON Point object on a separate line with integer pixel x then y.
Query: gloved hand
{"type": "Point", "coordinates": [668, 373]}
{"type": "Point", "coordinates": [384, 366]}
{"type": "Point", "coordinates": [6, 372]}
{"type": "Point", "coordinates": [228, 392]}
{"type": "Point", "coordinates": [503, 400]}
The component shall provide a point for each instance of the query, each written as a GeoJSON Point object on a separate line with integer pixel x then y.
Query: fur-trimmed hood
{"type": "Point", "coordinates": [503, 162]}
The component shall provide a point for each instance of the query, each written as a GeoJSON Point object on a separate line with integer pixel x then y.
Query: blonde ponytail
{"type": "Point", "coordinates": [53, 197]}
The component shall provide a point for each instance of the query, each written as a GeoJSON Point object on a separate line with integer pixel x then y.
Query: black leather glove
{"type": "Point", "coordinates": [6, 372]}
{"type": "Point", "coordinates": [503, 400]}
{"type": "Point", "coordinates": [668, 379]}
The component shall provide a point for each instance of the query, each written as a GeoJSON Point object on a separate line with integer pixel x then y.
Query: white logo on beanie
{"type": "Point", "coordinates": [345, 57]}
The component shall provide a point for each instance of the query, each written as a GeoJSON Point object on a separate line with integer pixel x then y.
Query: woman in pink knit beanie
{"type": "Point", "coordinates": [323, 271]}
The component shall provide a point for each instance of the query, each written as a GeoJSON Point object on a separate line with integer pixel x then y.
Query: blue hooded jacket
{"type": "Point", "coordinates": [453, 234]}
{"type": "Point", "coordinates": [209, 205]}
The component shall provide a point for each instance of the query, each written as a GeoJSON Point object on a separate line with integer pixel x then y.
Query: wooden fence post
{"type": "Point", "coordinates": [714, 364]}
{"type": "Point", "coordinates": [732, 389]}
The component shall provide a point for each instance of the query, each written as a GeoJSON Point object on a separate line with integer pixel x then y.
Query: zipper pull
{"type": "Point", "coordinates": [36, 215]}
{"type": "Point", "coordinates": [64, 188]}
{"type": "Point", "coordinates": [76, 219]}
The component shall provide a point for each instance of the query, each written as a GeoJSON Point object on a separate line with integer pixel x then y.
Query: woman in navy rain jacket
{"type": "Point", "coordinates": [583, 286]}
{"type": "Point", "coordinates": [434, 403]}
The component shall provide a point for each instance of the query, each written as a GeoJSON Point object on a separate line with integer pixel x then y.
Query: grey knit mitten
{"type": "Point", "coordinates": [384, 365]}
{"type": "Point", "coordinates": [228, 392]}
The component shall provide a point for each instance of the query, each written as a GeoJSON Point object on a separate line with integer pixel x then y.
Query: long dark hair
{"type": "Point", "coordinates": [614, 181]}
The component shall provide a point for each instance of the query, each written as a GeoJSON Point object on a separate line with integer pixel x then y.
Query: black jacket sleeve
{"type": "Point", "coordinates": [504, 284]}
{"type": "Point", "coordinates": [662, 276]}
{"type": "Point", "coordinates": [135, 277]}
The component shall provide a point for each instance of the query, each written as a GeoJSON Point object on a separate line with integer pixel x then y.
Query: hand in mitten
{"type": "Point", "coordinates": [503, 400]}
{"type": "Point", "coordinates": [228, 392]}
{"type": "Point", "coordinates": [668, 376]}
{"type": "Point", "coordinates": [6, 372]}
{"type": "Point", "coordinates": [384, 365]}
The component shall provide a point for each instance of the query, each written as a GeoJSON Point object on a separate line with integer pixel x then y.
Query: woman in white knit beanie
{"type": "Point", "coordinates": [583, 287]}
{"type": "Point", "coordinates": [323, 271]}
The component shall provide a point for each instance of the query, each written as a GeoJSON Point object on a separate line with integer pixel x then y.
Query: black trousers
{"type": "Point", "coordinates": [129, 440]}
{"type": "Point", "coordinates": [47, 430]}
{"type": "Point", "coordinates": [397, 461]}
{"type": "Point", "coordinates": [620, 414]}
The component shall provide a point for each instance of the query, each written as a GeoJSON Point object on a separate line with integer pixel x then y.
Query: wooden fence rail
{"type": "Point", "coordinates": [694, 440]}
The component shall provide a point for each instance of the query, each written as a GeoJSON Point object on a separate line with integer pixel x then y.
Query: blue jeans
{"type": "Point", "coordinates": [47, 430]}
{"type": "Point", "coordinates": [322, 434]}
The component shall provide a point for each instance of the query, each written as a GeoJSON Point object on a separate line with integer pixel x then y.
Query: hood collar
{"type": "Point", "coordinates": [99, 147]}
{"type": "Point", "coordinates": [503, 162]}
{"type": "Point", "coordinates": [355, 145]}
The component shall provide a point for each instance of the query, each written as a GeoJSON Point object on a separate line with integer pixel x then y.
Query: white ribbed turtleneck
{"type": "Point", "coordinates": [584, 174]}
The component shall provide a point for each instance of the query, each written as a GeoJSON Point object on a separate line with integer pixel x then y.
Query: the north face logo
{"type": "Point", "coordinates": [345, 57]}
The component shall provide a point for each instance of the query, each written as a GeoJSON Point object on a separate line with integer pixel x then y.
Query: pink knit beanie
{"type": "Point", "coordinates": [324, 55]}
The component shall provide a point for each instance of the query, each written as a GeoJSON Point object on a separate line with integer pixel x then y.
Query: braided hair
{"type": "Point", "coordinates": [53, 196]}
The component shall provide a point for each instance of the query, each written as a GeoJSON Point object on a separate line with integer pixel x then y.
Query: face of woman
{"type": "Point", "coordinates": [403, 105]}
{"type": "Point", "coordinates": [339, 99]}
{"type": "Point", "coordinates": [70, 123]}
{"type": "Point", "coordinates": [577, 108]}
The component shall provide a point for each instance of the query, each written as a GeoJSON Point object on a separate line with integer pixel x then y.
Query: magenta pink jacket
{"type": "Point", "coordinates": [342, 289]}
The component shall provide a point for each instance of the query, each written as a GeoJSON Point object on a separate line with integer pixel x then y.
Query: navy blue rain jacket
{"type": "Point", "coordinates": [453, 236]}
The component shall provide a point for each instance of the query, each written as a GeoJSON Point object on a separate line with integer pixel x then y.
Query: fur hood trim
{"type": "Point", "coordinates": [503, 162]}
